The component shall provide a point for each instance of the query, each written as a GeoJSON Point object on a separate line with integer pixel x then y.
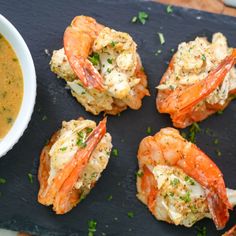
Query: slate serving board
{"type": "Point", "coordinates": [42, 24]}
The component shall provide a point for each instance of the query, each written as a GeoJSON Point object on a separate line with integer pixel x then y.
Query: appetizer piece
{"type": "Point", "coordinates": [179, 183]}
{"type": "Point", "coordinates": [200, 80]}
{"type": "Point", "coordinates": [72, 162]}
{"type": "Point", "coordinates": [101, 66]}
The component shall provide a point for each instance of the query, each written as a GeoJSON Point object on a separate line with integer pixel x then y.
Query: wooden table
{"type": "Point", "coordinates": [214, 6]}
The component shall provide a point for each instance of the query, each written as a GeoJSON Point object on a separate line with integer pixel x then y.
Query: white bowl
{"type": "Point", "coordinates": [29, 77]}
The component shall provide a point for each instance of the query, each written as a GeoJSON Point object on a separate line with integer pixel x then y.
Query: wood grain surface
{"type": "Point", "coordinates": [214, 6]}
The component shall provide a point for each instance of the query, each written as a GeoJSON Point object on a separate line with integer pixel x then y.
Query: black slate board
{"type": "Point", "coordinates": [42, 23]}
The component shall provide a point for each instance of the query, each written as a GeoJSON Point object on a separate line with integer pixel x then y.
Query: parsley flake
{"type": "Point", "coordinates": [169, 9]}
{"type": "Point", "coordinates": [149, 130]}
{"type": "Point", "coordinates": [109, 60]}
{"type": "Point", "coordinates": [201, 231]}
{"type": "Point", "coordinates": [30, 176]}
{"type": "Point", "coordinates": [81, 142]}
{"type": "Point", "coordinates": [63, 149]}
{"type": "Point", "coordinates": [92, 224]}
{"type": "Point", "coordinates": [194, 129]}
{"type": "Point", "coordinates": [113, 43]}
{"type": "Point", "coordinates": [186, 198]}
{"type": "Point", "coordinates": [142, 17]}
{"type": "Point", "coordinates": [189, 180]}
{"type": "Point", "coordinates": [2, 181]}
{"type": "Point", "coordinates": [130, 214]}
{"type": "Point", "coordinates": [174, 182]}
{"type": "Point", "coordinates": [94, 58]}
{"type": "Point", "coordinates": [161, 38]}
{"type": "Point", "coordinates": [115, 152]}
{"type": "Point", "coordinates": [139, 173]}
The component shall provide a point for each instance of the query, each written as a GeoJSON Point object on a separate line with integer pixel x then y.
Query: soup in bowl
{"type": "Point", "coordinates": [17, 85]}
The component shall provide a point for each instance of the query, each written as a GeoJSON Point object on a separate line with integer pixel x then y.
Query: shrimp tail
{"type": "Point", "coordinates": [218, 209]}
{"type": "Point", "coordinates": [62, 203]}
{"type": "Point", "coordinates": [78, 40]}
{"type": "Point", "coordinates": [189, 97]}
{"type": "Point", "coordinates": [88, 75]}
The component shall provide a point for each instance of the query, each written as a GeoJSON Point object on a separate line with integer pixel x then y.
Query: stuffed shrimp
{"type": "Point", "coordinates": [72, 162]}
{"type": "Point", "coordinates": [200, 80]}
{"type": "Point", "coordinates": [179, 183]}
{"type": "Point", "coordinates": [101, 67]}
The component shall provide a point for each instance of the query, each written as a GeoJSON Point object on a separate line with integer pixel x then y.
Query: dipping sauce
{"type": "Point", "coordinates": [11, 86]}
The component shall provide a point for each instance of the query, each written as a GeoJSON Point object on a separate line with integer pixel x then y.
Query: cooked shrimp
{"type": "Point", "coordinates": [104, 72]}
{"type": "Point", "coordinates": [179, 183]}
{"type": "Point", "coordinates": [78, 39]}
{"type": "Point", "coordinates": [199, 81]}
{"type": "Point", "coordinates": [72, 162]}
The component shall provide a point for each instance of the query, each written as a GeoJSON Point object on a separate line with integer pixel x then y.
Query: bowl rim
{"type": "Point", "coordinates": [27, 104]}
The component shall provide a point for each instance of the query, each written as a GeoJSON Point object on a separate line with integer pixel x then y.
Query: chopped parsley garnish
{"type": "Point", "coordinates": [149, 130]}
{"type": "Point", "coordinates": [218, 153]}
{"type": "Point", "coordinates": [92, 224]}
{"type": "Point", "coordinates": [139, 173]}
{"type": "Point", "coordinates": [130, 214]}
{"type": "Point", "coordinates": [63, 149]}
{"type": "Point", "coordinates": [169, 9]}
{"type": "Point", "coordinates": [142, 17]}
{"type": "Point", "coordinates": [109, 198]}
{"type": "Point", "coordinates": [109, 60]}
{"type": "Point", "coordinates": [161, 38]}
{"type": "Point", "coordinates": [82, 197]}
{"type": "Point", "coordinates": [220, 112]}
{"type": "Point", "coordinates": [81, 142]}
{"type": "Point", "coordinates": [203, 57]}
{"type": "Point", "coordinates": [174, 182]}
{"type": "Point", "coordinates": [94, 58]}
{"type": "Point", "coordinates": [158, 52]}
{"type": "Point", "coordinates": [44, 117]}
{"type": "Point", "coordinates": [201, 231]}
{"type": "Point", "coordinates": [189, 180]}
{"type": "Point", "coordinates": [113, 43]}
{"type": "Point", "coordinates": [186, 198]}
{"type": "Point", "coordinates": [193, 208]}
{"type": "Point", "coordinates": [108, 70]}
{"type": "Point", "coordinates": [2, 181]}
{"type": "Point", "coordinates": [115, 152]}
{"type": "Point", "coordinates": [171, 194]}
{"type": "Point", "coordinates": [216, 141]}
{"type": "Point", "coordinates": [89, 130]}
{"type": "Point", "coordinates": [30, 176]}
{"type": "Point", "coordinates": [194, 129]}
